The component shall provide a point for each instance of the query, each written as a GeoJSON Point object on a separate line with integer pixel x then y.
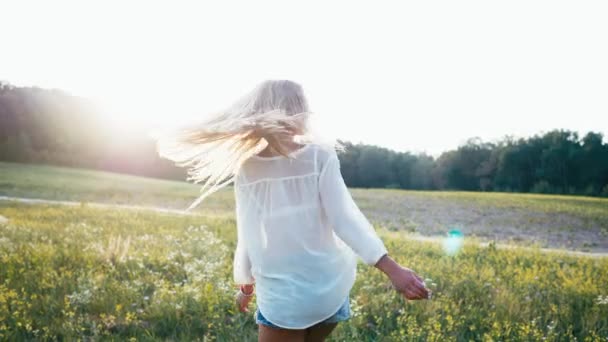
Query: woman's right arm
{"type": "Point", "coordinates": [403, 279]}
{"type": "Point", "coordinates": [347, 221]}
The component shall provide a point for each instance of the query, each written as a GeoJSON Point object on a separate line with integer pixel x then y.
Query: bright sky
{"type": "Point", "coordinates": [416, 76]}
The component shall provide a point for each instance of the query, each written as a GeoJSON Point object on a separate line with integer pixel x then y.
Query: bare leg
{"type": "Point", "coordinates": [319, 332]}
{"type": "Point", "coordinates": [268, 334]}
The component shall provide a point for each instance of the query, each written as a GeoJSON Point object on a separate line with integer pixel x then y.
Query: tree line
{"type": "Point", "coordinates": [44, 126]}
{"type": "Point", "coordinates": [556, 162]}
{"type": "Point", "coordinates": [52, 127]}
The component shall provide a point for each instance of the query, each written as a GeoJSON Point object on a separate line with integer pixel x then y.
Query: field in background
{"type": "Point", "coordinates": [83, 272]}
{"type": "Point", "coordinates": [576, 223]}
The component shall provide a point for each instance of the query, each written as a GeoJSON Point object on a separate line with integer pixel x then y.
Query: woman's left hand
{"type": "Point", "coordinates": [243, 300]}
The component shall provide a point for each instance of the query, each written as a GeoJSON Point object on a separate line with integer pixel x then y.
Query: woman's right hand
{"type": "Point", "coordinates": [403, 279]}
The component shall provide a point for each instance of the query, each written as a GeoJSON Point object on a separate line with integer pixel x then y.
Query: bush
{"type": "Point", "coordinates": [604, 191]}
{"type": "Point", "coordinates": [542, 187]}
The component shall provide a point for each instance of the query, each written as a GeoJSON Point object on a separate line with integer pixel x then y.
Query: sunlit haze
{"type": "Point", "coordinates": [421, 76]}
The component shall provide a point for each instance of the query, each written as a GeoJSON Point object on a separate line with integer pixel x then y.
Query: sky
{"type": "Point", "coordinates": [418, 76]}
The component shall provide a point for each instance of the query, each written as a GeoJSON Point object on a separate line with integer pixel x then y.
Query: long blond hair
{"type": "Point", "coordinates": [275, 114]}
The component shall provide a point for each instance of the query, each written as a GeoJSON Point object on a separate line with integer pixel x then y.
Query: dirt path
{"type": "Point", "coordinates": [98, 205]}
{"type": "Point", "coordinates": [436, 239]}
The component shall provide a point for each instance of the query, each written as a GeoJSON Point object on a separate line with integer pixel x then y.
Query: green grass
{"type": "Point", "coordinates": [73, 273]}
{"type": "Point", "coordinates": [81, 185]}
{"type": "Point", "coordinates": [89, 273]}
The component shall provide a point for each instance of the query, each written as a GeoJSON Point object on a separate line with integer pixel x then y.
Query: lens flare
{"type": "Point", "coordinates": [453, 242]}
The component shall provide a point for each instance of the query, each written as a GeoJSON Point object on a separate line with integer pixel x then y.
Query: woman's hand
{"type": "Point", "coordinates": [409, 284]}
{"type": "Point", "coordinates": [243, 297]}
{"type": "Point", "coordinates": [404, 280]}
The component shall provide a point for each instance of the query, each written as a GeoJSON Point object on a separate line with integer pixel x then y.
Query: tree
{"type": "Point", "coordinates": [53, 127]}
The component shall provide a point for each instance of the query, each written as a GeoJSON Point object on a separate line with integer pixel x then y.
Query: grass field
{"type": "Point", "coordinates": [81, 272]}
{"type": "Point", "coordinates": [576, 223]}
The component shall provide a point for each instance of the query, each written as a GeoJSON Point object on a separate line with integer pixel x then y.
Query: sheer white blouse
{"type": "Point", "coordinates": [298, 227]}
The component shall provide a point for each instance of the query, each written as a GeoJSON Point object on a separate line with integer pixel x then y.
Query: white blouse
{"type": "Point", "coordinates": [298, 227]}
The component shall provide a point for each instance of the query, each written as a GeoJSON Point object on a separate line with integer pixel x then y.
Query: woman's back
{"type": "Point", "coordinates": [297, 224]}
{"type": "Point", "coordinates": [277, 191]}
{"type": "Point", "coordinates": [296, 221]}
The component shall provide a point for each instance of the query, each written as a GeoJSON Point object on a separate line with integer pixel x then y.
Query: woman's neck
{"type": "Point", "coordinates": [270, 152]}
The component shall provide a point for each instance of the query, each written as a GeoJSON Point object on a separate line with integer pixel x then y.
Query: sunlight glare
{"type": "Point", "coordinates": [452, 244]}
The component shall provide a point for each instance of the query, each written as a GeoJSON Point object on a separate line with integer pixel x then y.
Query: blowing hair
{"type": "Point", "coordinates": [275, 114]}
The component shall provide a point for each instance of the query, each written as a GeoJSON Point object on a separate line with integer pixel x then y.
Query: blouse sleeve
{"type": "Point", "coordinates": [345, 217]}
{"type": "Point", "coordinates": [241, 264]}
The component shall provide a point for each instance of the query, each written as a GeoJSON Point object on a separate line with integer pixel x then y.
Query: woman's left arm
{"type": "Point", "coordinates": [242, 264]}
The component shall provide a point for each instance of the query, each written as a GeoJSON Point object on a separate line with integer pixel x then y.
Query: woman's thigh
{"type": "Point", "coordinates": [316, 333]}
{"type": "Point", "coordinates": [319, 332]}
{"type": "Point", "coordinates": [269, 334]}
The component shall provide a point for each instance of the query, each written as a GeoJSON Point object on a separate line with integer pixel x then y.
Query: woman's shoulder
{"type": "Point", "coordinates": [323, 151]}
{"type": "Point", "coordinates": [323, 154]}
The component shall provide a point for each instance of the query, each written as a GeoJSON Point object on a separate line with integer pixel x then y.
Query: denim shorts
{"type": "Point", "coordinates": [342, 314]}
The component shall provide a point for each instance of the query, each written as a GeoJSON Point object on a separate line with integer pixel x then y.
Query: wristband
{"type": "Point", "coordinates": [243, 292]}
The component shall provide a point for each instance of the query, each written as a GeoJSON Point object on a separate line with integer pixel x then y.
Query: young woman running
{"type": "Point", "coordinates": [299, 231]}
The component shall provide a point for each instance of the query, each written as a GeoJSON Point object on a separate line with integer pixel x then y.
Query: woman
{"type": "Point", "coordinates": [299, 230]}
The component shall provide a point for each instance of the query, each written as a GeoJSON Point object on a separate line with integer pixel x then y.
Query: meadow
{"type": "Point", "coordinates": [570, 222]}
{"type": "Point", "coordinates": [83, 272]}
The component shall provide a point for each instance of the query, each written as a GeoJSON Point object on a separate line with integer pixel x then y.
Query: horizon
{"type": "Point", "coordinates": [431, 77]}
{"type": "Point", "coordinates": [148, 129]}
